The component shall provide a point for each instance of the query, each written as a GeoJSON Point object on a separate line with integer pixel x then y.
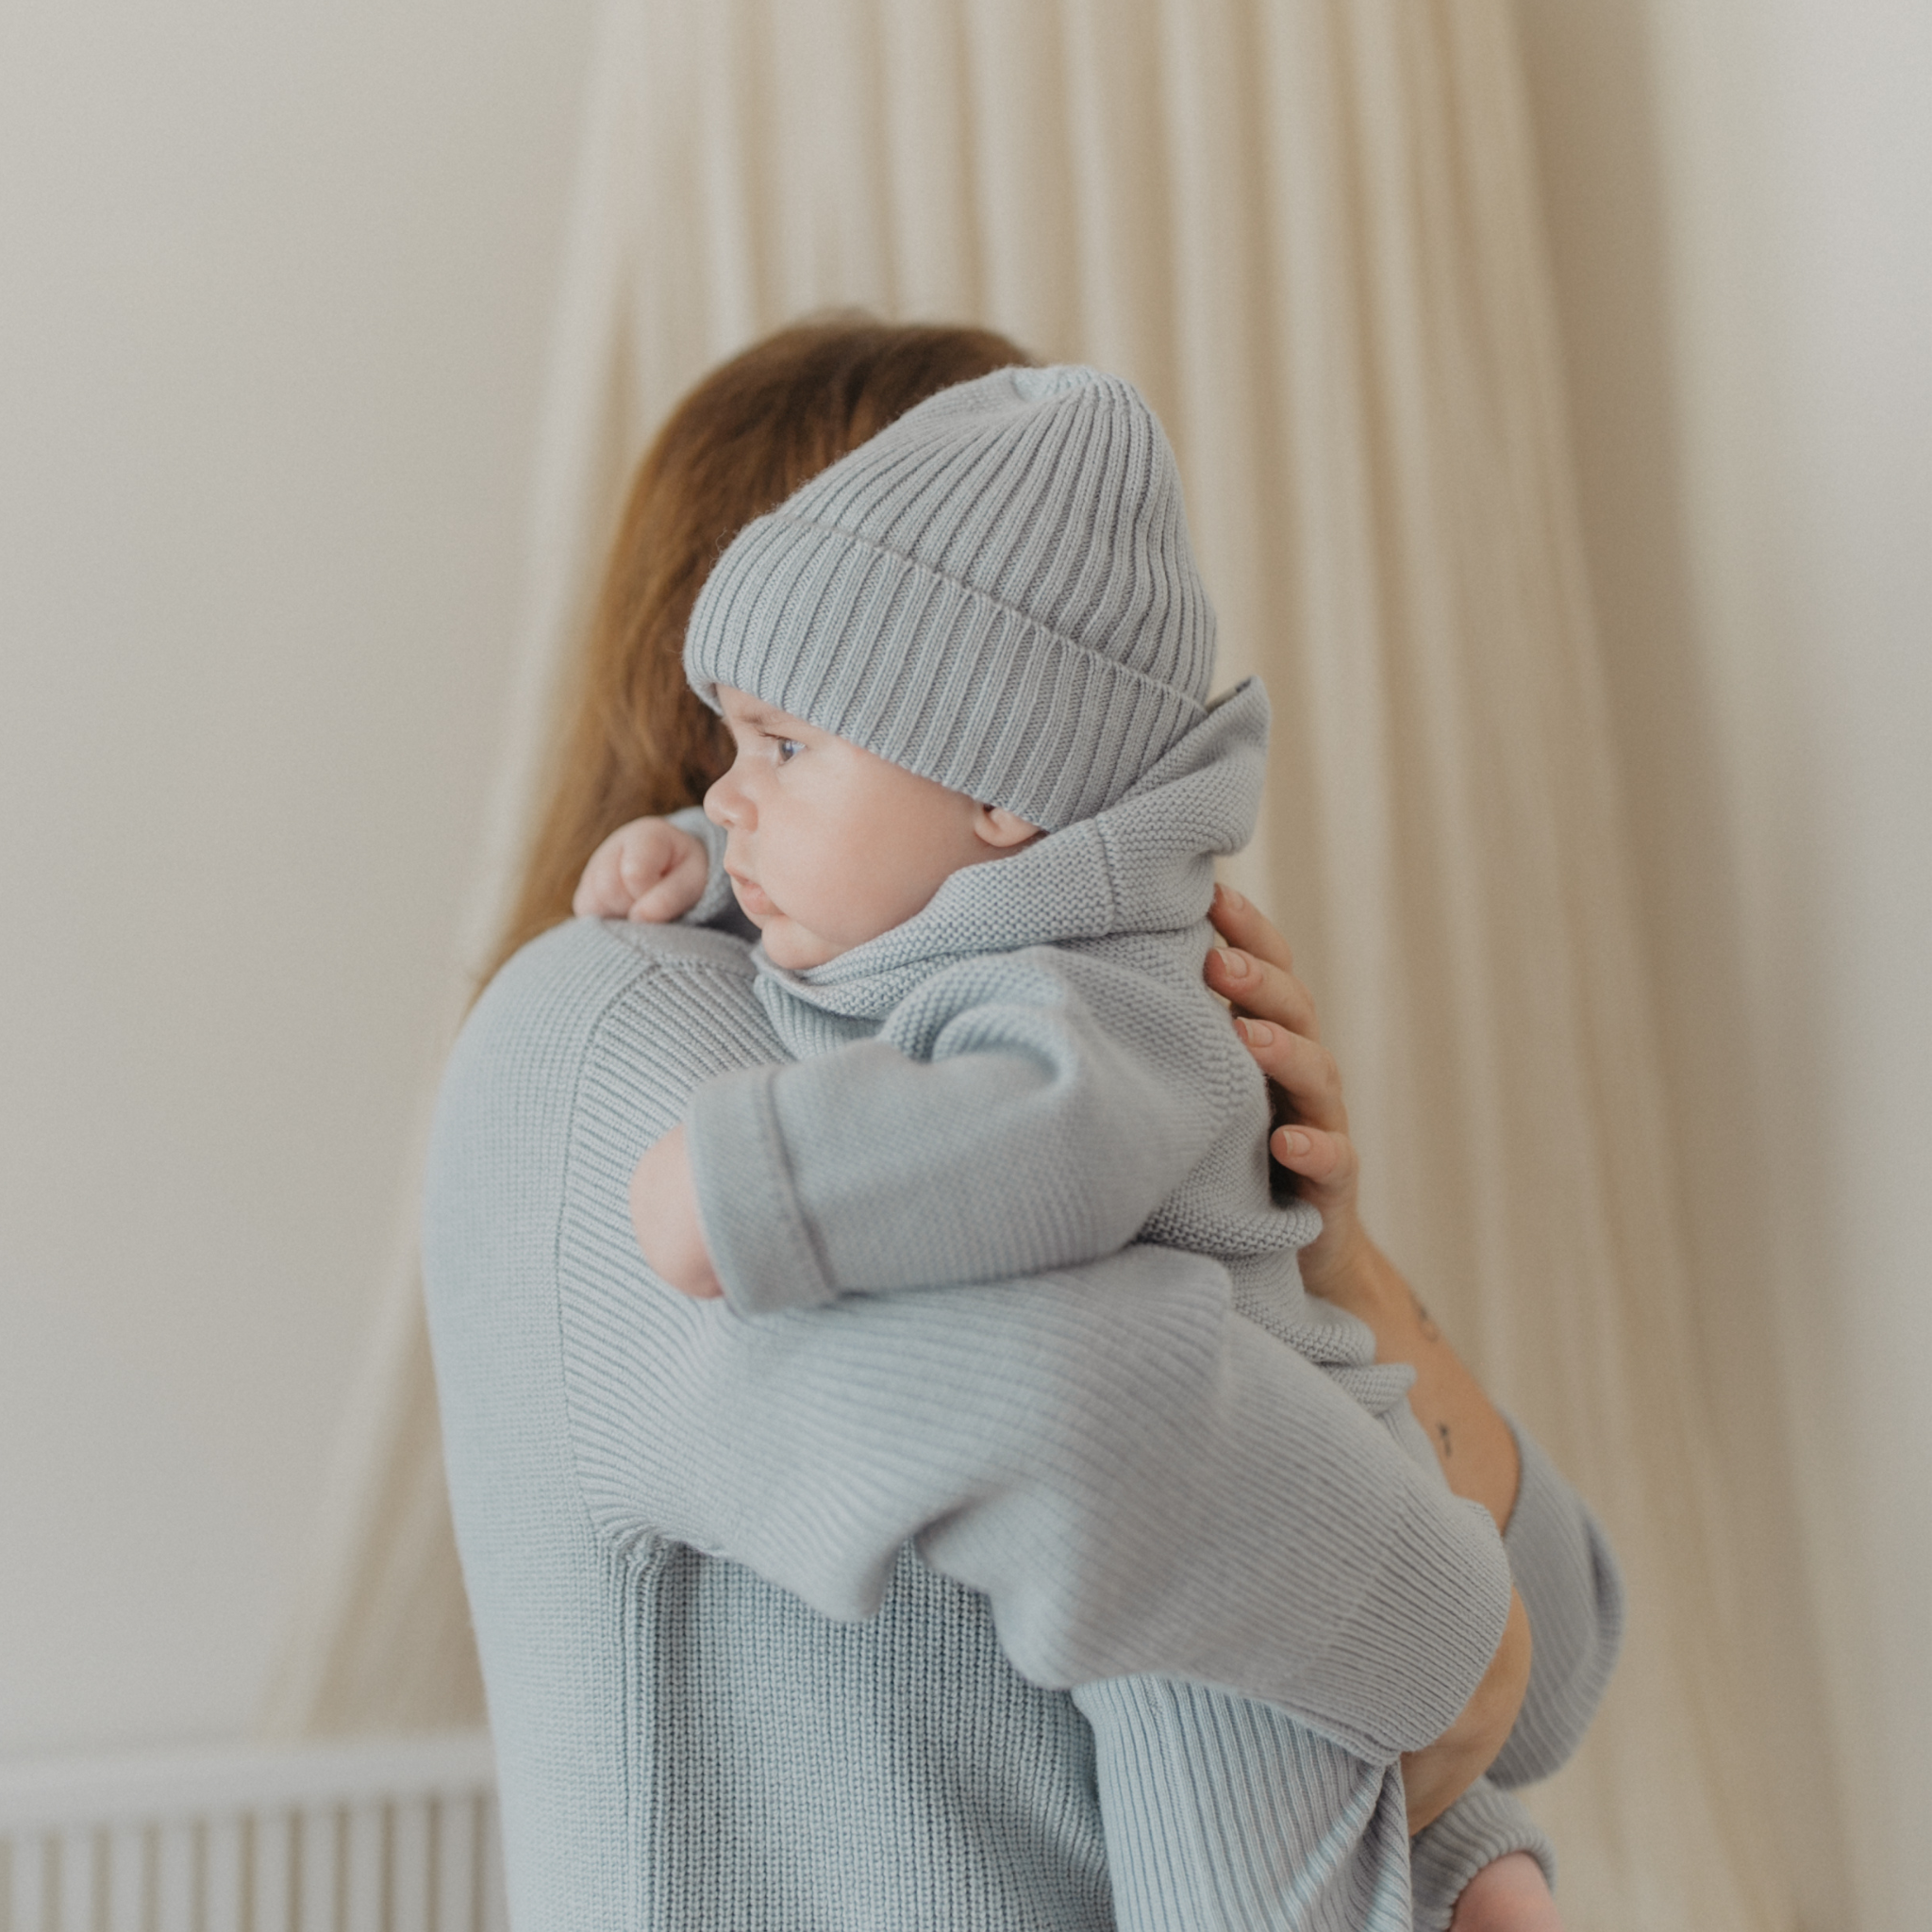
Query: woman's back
{"type": "Point", "coordinates": [683, 1743]}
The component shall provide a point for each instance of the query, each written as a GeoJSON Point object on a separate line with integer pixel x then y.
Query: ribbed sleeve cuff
{"type": "Point", "coordinates": [753, 1224]}
{"type": "Point", "coordinates": [1424, 1632]}
{"type": "Point", "coordinates": [1483, 1825]}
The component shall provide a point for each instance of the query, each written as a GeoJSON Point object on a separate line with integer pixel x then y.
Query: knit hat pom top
{"type": "Point", "coordinates": [996, 591]}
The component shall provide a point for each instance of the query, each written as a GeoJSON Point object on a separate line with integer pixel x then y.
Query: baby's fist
{"type": "Point", "coordinates": [648, 871]}
{"type": "Point", "coordinates": [664, 1216]}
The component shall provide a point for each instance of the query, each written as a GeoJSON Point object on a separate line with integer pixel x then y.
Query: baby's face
{"type": "Point", "coordinates": [831, 846]}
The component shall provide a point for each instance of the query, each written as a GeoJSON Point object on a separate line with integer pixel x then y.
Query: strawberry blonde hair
{"type": "Point", "coordinates": [631, 738]}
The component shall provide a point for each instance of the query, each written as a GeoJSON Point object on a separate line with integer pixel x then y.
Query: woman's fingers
{"type": "Point", "coordinates": [1325, 1158]}
{"type": "Point", "coordinates": [1240, 922]}
{"type": "Point", "coordinates": [1275, 1018]}
{"type": "Point", "coordinates": [1259, 987]}
{"type": "Point", "coordinates": [1303, 1069]}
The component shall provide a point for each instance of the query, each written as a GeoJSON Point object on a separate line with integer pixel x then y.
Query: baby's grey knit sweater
{"type": "Point", "coordinates": [1027, 1075]}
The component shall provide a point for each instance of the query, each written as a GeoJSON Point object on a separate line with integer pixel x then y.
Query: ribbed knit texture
{"type": "Point", "coordinates": [1483, 1825]}
{"type": "Point", "coordinates": [663, 1508]}
{"type": "Point", "coordinates": [996, 591]}
{"type": "Point", "coordinates": [1233, 1817]}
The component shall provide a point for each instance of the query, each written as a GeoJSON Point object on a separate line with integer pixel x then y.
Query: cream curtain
{"type": "Point", "coordinates": [1310, 232]}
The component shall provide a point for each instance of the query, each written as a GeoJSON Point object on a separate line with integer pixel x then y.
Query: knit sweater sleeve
{"type": "Point", "coordinates": [1483, 1825]}
{"type": "Point", "coordinates": [1568, 1576]}
{"type": "Point", "coordinates": [1135, 1478]}
{"type": "Point", "coordinates": [1222, 1813]}
{"type": "Point", "coordinates": [1049, 1102]}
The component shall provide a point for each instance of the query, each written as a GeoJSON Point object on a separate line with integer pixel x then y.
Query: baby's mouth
{"type": "Point", "coordinates": [757, 901]}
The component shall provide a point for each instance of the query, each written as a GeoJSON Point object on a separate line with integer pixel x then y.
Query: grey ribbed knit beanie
{"type": "Point", "coordinates": [996, 591]}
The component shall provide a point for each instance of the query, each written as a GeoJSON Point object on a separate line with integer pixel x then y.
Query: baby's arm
{"type": "Point", "coordinates": [1033, 1138]}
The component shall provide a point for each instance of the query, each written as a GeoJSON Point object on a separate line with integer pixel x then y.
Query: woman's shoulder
{"type": "Point", "coordinates": [549, 1000]}
{"type": "Point", "coordinates": [582, 959]}
{"type": "Point", "coordinates": [591, 1037]}
{"type": "Point", "coordinates": [660, 1007]}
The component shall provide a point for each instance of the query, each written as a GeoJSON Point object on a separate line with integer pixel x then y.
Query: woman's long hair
{"type": "Point", "coordinates": [632, 739]}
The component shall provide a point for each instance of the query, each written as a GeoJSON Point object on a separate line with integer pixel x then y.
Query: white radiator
{"type": "Point", "coordinates": [396, 1836]}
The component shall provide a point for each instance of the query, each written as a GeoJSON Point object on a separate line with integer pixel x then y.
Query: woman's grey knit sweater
{"type": "Point", "coordinates": [774, 1612]}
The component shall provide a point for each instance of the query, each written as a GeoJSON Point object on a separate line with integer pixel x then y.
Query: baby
{"type": "Point", "coordinates": [978, 791]}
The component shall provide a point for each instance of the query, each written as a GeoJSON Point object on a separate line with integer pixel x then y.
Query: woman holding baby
{"type": "Point", "coordinates": [1072, 1600]}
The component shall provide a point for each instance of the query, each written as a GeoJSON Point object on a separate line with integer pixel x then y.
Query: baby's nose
{"type": "Point", "coordinates": [726, 805]}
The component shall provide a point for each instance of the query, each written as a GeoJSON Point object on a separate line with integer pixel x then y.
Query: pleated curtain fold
{"type": "Point", "coordinates": [1309, 230]}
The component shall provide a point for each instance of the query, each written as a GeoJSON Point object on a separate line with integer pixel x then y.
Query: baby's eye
{"type": "Point", "coordinates": [789, 748]}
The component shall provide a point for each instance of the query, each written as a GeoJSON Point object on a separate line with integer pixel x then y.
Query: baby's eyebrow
{"type": "Point", "coordinates": [758, 713]}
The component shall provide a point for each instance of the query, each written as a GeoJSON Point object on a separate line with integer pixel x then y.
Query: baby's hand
{"type": "Point", "coordinates": [664, 1217]}
{"type": "Point", "coordinates": [648, 871]}
{"type": "Point", "coordinates": [1508, 1897]}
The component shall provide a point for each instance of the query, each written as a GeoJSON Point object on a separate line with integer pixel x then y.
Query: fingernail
{"type": "Point", "coordinates": [1234, 964]}
{"type": "Point", "coordinates": [1294, 1141]}
{"type": "Point", "coordinates": [1255, 1032]}
{"type": "Point", "coordinates": [1232, 899]}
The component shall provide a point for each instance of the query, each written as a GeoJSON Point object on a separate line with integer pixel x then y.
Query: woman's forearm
{"type": "Point", "coordinates": [1562, 1563]}
{"type": "Point", "coordinates": [1474, 1445]}
{"type": "Point", "coordinates": [1276, 1017]}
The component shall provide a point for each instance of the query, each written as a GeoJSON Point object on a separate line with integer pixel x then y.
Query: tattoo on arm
{"type": "Point", "coordinates": [1448, 1447]}
{"type": "Point", "coordinates": [1430, 1331]}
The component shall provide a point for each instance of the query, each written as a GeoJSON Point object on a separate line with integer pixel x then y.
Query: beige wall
{"type": "Point", "coordinates": [1740, 201]}
{"type": "Point", "coordinates": [275, 291]}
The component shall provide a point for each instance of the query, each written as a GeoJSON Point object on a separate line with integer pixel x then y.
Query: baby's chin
{"type": "Point", "coordinates": [788, 942]}
{"type": "Point", "coordinates": [793, 946]}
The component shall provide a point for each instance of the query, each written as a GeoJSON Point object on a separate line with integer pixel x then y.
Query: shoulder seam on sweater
{"type": "Point", "coordinates": [592, 1034]}
{"type": "Point", "coordinates": [656, 962]}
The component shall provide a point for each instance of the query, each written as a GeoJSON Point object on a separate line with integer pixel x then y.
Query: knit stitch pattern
{"type": "Point", "coordinates": [771, 1612]}
{"type": "Point", "coordinates": [996, 591]}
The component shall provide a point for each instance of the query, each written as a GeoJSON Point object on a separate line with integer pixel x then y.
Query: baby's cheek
{"type": "Point", "coordinates": [794, 942]}
{"type": "Point", "coordinates": [844, 901]}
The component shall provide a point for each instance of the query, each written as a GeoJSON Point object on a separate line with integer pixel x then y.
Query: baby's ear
{"type": "Point", "coordinates": [1001, 829]}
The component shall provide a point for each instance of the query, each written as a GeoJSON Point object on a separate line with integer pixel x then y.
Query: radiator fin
{"type": "Point", "coordinates": [393, 1837]}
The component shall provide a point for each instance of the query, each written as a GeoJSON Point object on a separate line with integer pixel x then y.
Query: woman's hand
{"type": "Point", "coordinates": [1275, 1016]}
{"type": "Point", "coordinates": [1254, 971]}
